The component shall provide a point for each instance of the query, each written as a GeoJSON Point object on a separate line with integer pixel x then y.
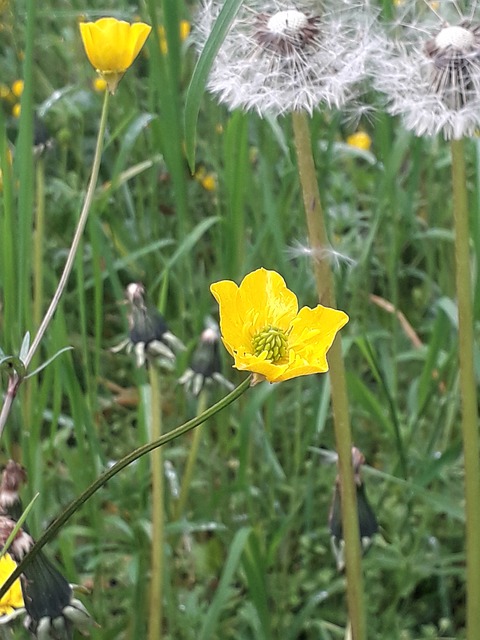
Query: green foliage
{"type": "Point", "coordinates": [251, 557]}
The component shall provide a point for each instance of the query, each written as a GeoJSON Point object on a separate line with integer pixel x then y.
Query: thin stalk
{"type": "Point", "coordinates": [324, 283]}
{"type": "Point", "coordinates": [78, 233]}
{"type": "Point", "coordinates": [30, 444]}
{"type": "Point", "coordinates": [468, 392]}
{"type": "Point", "coordinates": [155, 613]}
{"type": "Point", "coordinates": [38, 240]}
{"type": "Point", "coordinates": [17, 380]}
{"type": "Point", "coordinates": [192, 458]}
{"type": "Point", "coordinates": [69, 510]}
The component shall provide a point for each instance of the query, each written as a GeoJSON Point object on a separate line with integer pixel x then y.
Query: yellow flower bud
{"type": "Point", "coordinates": [112, 45]}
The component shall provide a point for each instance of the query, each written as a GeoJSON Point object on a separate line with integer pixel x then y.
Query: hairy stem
{"type": "Point", "coordinates": [75, 505]}
{"type": "Point", "coordinates": [68, 264]}
{"type": "Point", "coordinates": [468, 392]}
{"type": "Point", "coordinates": [155, 613]}
{"type": "Point", "coordinates": [324, 282]}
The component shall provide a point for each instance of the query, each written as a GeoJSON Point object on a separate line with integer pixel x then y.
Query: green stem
{"type": "Point", "coordinates": [38, 239]}
{"type": "Point", "coordinates": [468, 392]}
{"type": "Point", "coordinates": [192, 458]}
{"type": "Point", "coordinates": [155, 614]}
{"type": "Point", "coordinates": [324, 282]}
{"type": "Point", "coordinates": [67, 513]}
{"type": "Point", "coordinates": [78, 234]}
{"type": "Point", "coordinates": [16, 380]}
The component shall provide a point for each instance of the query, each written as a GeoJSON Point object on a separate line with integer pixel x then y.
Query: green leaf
{"type": "Point", "coordinates": [223, 592]}
{"type": "Point", "coordinates": [25, 346]}
{"type": "Point", "coordinates": [45, 364]}
{"type": "Point", "coordinates": [197, 84]}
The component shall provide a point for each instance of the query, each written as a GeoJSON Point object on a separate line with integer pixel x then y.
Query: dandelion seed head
{"type": "Point", "coordinates": [430, 73]}
{"type": "Point", "coordinates": [281, 56]}
{"type": "Point", "coordinates": [455, 37]}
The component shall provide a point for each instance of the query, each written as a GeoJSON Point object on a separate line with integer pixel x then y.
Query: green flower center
{"type": "Point", "coordinates": [272, 340]}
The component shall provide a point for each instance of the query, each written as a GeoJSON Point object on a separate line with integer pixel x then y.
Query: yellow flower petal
{"type": "Point", "coordinates": [13, 599]}
{"type": "Point", "coordinates": [112, 45]}
{"type": "Point", "coordinates": [360, 140]}
{"type": "Point", "coordinates": [261, 309]}
{"type": "Point", "coordinates": [17, 88]}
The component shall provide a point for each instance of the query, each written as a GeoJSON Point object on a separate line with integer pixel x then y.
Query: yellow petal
{"type": "Point", "coordinates": [266, 292]}
{"type": "Point", "coordinates": [13, 599]}
{"type": "Point", "coordinates": [112, 45]}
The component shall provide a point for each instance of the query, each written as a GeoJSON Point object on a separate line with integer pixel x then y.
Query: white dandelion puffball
{"type": "Point", "coordinates": [430, 72]}
{"type": "Point", "coordinates": [281, 56]}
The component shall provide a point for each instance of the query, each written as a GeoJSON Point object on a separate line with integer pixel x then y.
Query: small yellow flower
{"type": "Point", "coordinates": [17, 88]}
{"type": "Point", "coordinates": [16, 110]}
{"type": "Point", "coordinates": [207, 180]}
{"type": "Point", "coordinates": [13, 599]}
{"type": "Point", "coordinates": [184, 32]}
{"type": "Point", "coordinates": [4, 91]}
{"type": "Point", "coordinates": [360, 140]}
{"type": "Point", "coordinates": [266, 334]}
{"type": "Point", "coordinates": [99, 84]}
{"type": "Point", "coordinates": [112, 45]}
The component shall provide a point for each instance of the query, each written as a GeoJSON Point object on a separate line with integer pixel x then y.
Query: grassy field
{"type": "Point", "coordinates": [248, 556]}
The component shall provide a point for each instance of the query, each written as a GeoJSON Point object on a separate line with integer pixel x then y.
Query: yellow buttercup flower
{"type": "Point", "coordinates": [112, 45]}
{"type": "Point", "coordinates": [13, 599]}
{"type": "Point", "coordinates": [207, 180]}
{"type": "Point", "coordinates": [360, 140]}
{"type": "Point", "coordinates": [184, 31]}
{"type": "Point", "coordinates": [16, 109]}
{"type": "Point", "coordinates": [17, 88]}
{"type": "Point", "coordinates": [265, 332]}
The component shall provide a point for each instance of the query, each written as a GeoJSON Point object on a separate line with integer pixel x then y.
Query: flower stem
{"type": "Point", "coordinates": [38, 242]}
{"type": "Point", "coordinates": [67, 513]}
{"type": "Point", "coordinates": [155, 614]}
{"type": "Point", "coordinates": [324, 283]}
{"type": "Point", "coordinates": [77, 236]}
{"type": "Point", "coordinates": [68, 264]}
{"type": "Point", "coordinates": [192, 458]}
{"type": "Point", "coordinates": [468, 392]}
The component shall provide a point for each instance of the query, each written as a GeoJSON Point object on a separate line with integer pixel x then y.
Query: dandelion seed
{"type": "Point", "coordinates": [431, 72]}
{"type": "Point", "coordinates": [299, 250]}
{"type": "Point", "coordinates": [281, 56]}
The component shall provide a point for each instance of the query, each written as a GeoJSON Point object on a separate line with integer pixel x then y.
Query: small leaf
{"type": "Point", "coordinates": [45, 364]}
{"type": "Point", "coordinates": [25, 346]}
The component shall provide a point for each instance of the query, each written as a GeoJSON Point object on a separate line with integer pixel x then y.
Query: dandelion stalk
{"type": "Point", "coordinates": [192, 458]}
{"type": "Point", "coordinates": [15, 381]}
{"type": "Point", "coordinates": [155, 614]}
{"type": "Point", "coordinates": [324, 283]}
{"type": "Point", "coordinates": [75, 505]}
{"type": "Point", "coordinates": [468, 392]}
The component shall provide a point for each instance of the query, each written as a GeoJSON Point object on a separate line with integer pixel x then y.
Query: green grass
{"type": "Point", "coordinates": [250, 559]}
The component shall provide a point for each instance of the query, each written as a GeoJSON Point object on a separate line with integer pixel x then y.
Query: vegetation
{"type": "Point", "coordinates": [247, 556]}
